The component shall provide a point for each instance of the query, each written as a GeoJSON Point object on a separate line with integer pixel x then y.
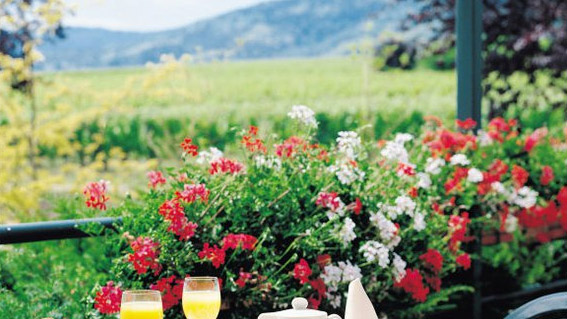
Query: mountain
{"type": "Point", "coordinates": [275, 29]}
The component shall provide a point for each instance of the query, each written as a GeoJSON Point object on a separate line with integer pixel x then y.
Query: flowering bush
{"type": "Point", "coordinates": [292, 218]}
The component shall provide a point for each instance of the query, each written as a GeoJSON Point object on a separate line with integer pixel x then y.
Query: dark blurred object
{"type": "Point", "coordinates": [395, 54]}
{"type": "Point", "coordinates": [519, 36]}
{"type": "Point", "coordinates": [547, 307]}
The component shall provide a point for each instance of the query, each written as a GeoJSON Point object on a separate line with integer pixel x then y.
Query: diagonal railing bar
{"type": "Point", "coordinates": [52, 230]}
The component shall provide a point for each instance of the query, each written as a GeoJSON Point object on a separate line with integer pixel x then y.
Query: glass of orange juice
{"type": "Point", "coordinates": [141, 304]}
{"type": "Point", "coordinates": [201, 298]}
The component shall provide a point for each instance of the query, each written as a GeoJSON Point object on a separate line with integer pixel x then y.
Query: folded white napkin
{"type": "Point", "coordinates": [358, 304]}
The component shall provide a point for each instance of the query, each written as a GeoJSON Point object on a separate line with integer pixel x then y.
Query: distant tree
{"type": "Point", "coordinates": [23, 25]}
{"type": "Point", "coordinates": [519, 36]}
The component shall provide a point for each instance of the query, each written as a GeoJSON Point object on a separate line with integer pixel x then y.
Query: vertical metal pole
{"type": "Point", "coordinates": [469, 60]}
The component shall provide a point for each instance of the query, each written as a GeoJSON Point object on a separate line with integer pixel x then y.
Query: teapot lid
{"type": "Point", "coordinates": [300, 311]}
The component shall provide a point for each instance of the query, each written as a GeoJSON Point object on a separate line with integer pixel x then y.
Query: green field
{"type": "Point", "coordinates": [270, 87]}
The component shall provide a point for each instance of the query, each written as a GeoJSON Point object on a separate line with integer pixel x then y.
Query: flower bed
{"type": "Point", "coordinates": [292, 218]}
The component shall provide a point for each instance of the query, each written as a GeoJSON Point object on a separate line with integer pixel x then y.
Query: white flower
{"type": "Point", "coordinates": [433, 165]}
{"type": "Point", "coordinates": [499, 188]}
{"type": "Point", "coordinates": [346, 233]}
{"type": "Point", "coordinates": [334, 300]}
{"type": "Point", "coordinates": [373, 250]}
{"type": "Point", "coordinates": [405, 205]}
{"type": "Point", "coordinates": [206, 157]}
{"type": "Point", "coordinates": [395, 152]}
{"type": "Point", "coordinates": [474, 175]}
{"type": "Point", "coordinates": [525, 197]}
{"type": "Point", "coordinates": [304, 115]}
{"type": "Point", "coordinates": [424, 181]}
{"type": "Point", "coordinates": [483, 138]}
{"type": "Point", "coordinates": [399, 267]}
{"type": "Point", "coordinates": [391, 211]}
{"type": "Point", "coordinates": [387, 230]}
{"type": "Point", "coordinates": [511, 223]}
{"type": "Point", "coordinates": [332, 275]}
{"type": "Point", "coordinates": [402, 138]}
{"type": "Point", "coordinates": [350, 271]}
{"type": "Point", "coordinates": [348, 144]}
{"type": "Point", "coordinates": [346, 173]}
{"type": "Point", "coordinates": [271, 162]}
{"type": "Point", "coordinates": [419, 222]}
{"type": "Point", "coordinates": [460, 159]}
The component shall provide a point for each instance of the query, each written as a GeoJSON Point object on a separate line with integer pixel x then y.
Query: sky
{"type": "Point", "coordinates": [147, 15]}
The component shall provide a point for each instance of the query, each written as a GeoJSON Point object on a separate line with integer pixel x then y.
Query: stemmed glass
{"type": "Point", "coordinates": [141, 304]}
{"type": "Point", "coordinates": [201, 298]}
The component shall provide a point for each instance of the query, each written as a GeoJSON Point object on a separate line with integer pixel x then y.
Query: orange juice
{"type": "Point", "coordinates": [201, 304]}
{"type": "Point", "coordinates": [141, 310]}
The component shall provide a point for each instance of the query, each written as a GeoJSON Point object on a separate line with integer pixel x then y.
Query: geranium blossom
{"type": "Point", "coordinates": [412, 283]}
{"type": "Point", "coordinates": [206, 157]}
{"type": "Point", "coordinates": [346, 232]}
{"type": "Point", "coordinates": [331, 201]}
{"type": "Point", "coordinates": [107, 299]}
{"type": "Point", "coordinates": [145, 255]}
{"type": "Point", "coordinates": [399, 268]}
{"type": "Point", "coordinates": [304, 115]}
{"type": "Point", "coordinates": [433, 165]}
{"type": "Point", "coordinates": [95, 194]}
{"type": "Point", "coordinates": [375, 251]}
{"type": "Point", "coordinates": [225, 165]}
{"type": "Point", "coordinates": [270, 162]}
{"type": "Point", "coordinates": [155, 178]}
{"type": "Point", "coordinates": [464, 261]}
{"type": "Point", "coordinates": [460, 159]}
{"type": "Point", "coordinates": [243, 278]}
{"type": "Point", "coordinates": [171, 289]}
{"type": "Point", "coordinates": [188, 147]}
{"type": "Point", "coordinates": [433, 260]}
{"type": "Point", "coordinates": [214, 254]}
{"type": "Point", "coordinates": [467, 124]}
{"type": "Point", "coordinates": [192, 193]}
{"type": "Point", "coordinates": [395, 152]}
{"type": "Point", "coordinates": [347, 172]}
{"type": "Point", "coordinates": [233, 241]}
{"type": "Point", "coordinates": [302, 271]}
{"type": "Point", "coordinates": [424, 180]}
{"type": "Point", "coordinates": [547, 175]}
{"type": "Point", "coordinates": [474, 175]}
{"type": "Point", "coordinates": [348, 144]}
{"type": "Point", "coordinates": [519, 176]}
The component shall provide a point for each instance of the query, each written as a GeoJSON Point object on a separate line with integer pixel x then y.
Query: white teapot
{"type": "Point", "coordinates": [299, 311]}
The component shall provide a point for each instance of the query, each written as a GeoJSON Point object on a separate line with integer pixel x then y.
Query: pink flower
{"type": "Point", "coordinates": [193, 192]}
{"type": "Point", "coordinates": [155, 178]}
{"type": "Point", "coordinates": [108, 298]}
{"type": "Point", "coordinates": [225, 165]}
{"type": "Point", "coordinates": [233, 241]}
{"type": "Point", "coordinates": [95, 194]}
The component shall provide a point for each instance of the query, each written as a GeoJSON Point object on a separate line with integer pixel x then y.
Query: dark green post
{"type": "Point", "coordinates": [469, 60]}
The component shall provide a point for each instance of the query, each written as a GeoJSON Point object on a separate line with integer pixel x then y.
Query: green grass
{"type": "Point", "coordinates": [270, 87]}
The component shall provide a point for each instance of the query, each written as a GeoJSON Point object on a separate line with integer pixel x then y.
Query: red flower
{"type": "Point", "coordinates": [188, 147]}
{"type": "Point", "coordinates": [171, 290]}
{"type": "Point", "coordinates": [534, 138]}
{"type": "Point", "coordinates": [562, 197]}
{"type": "Point", "coordinates": [499, 124]}
{"type": "Point", "coordinates": [233, 241]}
{"type": "Point", "coordinates": [290, 146]}
{"type": "Point", "coordinates": [464, 261]}
{"type": "Point", "coordinates": [302, 271]}
{"type": "Point", "coordinates": [253, 130]}
{"type": "Point", "coordinates": [95, 193]}
{"type": "Point", "coordinates": [243, 278]}
{"type": "Point", "coordinates": [172, 211]}
{"type": "Point", "coordinates": [467, 124]}
{"type": "Point", "coordinates": [225, 165]}
{"type": "Point", "coordinates": [145, 255]}
{"type": "Point", "coordinates": [155, 178]}
{"type": "Point", "coordinates": [546, 175]}
{"type": "Point", "coordinates": [519, 176]}
{"type": "Point", "coordinates": [412, 283]}
{"type": "Point", "coordinates": [323, 260]}
{"type": "Point", "coordinates": [253, 144]}
{"type": "Point", "coordinates": [329, 200]}
{"type": "Point", "coordinates": [433, 260]}
{"type": "Point", "coordinates": [434, 282]}
{"type": "Point", "coordinates": [319, 286]}
{"type": "Point", "coordinates": [191, 193]}
{"type": "Point", "coordinates": [214, 254]}
{"type": "Point", "coordinates": [458, 229]}
{"type": "Point", "coordinates": [405, 169]}
{"type": "Point", "coordinates": [314, 302]}
{"type": "Point", "coordinates": [108, 298]}
{"type": "Point", "coordinates": [357, 206]}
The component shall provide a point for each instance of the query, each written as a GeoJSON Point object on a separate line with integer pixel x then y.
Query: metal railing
{"type": "Point", "coordinates": [52, 230]}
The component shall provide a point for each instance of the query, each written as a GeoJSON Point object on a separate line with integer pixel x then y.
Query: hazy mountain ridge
{"type": "Point", "coordinates": [289, 28]}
